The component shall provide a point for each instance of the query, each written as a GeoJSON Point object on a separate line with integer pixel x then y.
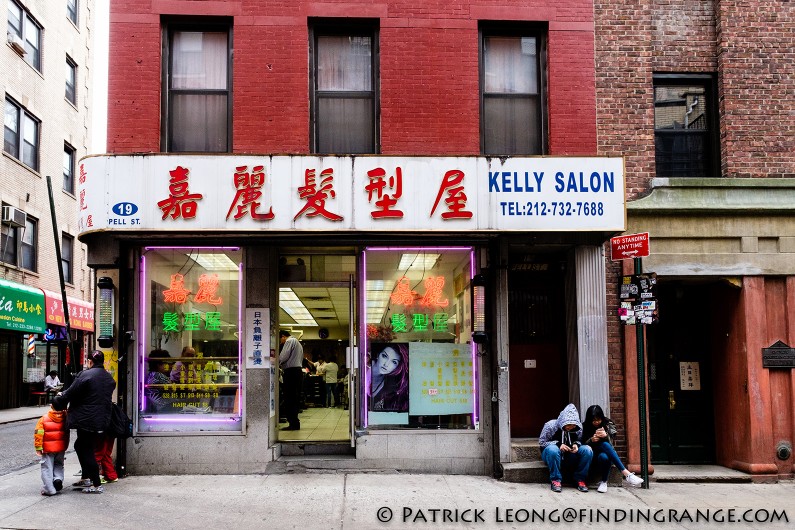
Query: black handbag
{"type": "Point", "coordinates": [120, 424]}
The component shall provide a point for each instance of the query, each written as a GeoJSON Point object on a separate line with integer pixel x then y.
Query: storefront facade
{"type": "Point", "coordinates": [445, 214]}
{"type": "Point", "coordinates": [34, 340]}
{"type": "Point", "coordinates": [403, 251]}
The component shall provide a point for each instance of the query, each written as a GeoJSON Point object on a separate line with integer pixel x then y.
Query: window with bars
{"type": "Point", "coordinates": [344, 94]}
{"type": "Point", "coordinates": [685, 138]}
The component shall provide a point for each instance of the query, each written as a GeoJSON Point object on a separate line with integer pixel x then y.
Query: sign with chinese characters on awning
{"type": "Point", "coordinates": [169, 192]}
{"type": "Point", "coordinates": [81, 314]}
{"type": "Point", "coordinates": [21, 307]}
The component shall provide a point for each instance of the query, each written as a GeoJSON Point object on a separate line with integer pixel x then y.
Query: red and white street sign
{"type": "Point", "coordinates": [629, 247]}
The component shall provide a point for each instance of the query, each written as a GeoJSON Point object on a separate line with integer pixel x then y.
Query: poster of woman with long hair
{"type": "Point", "coordinates": [389, 377]}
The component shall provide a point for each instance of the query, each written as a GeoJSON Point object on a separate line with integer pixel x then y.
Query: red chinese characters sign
{"type": "Point", "coordinates": [363, 193]}
{"type": "Point", "coordinates": [81, 313]}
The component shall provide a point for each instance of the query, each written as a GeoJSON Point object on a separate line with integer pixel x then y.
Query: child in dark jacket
{"type": "Point", "coordinates": [51, 438]}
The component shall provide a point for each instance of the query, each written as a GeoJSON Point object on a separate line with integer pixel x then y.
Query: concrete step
{"type": "Point", "coordinates": [525, 450]}
{"type": "Point", "coordinates": [525, 472]}
{"type": "Point", "coordinates": [317, 449]}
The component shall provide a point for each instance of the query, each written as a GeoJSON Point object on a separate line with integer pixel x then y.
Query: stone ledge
{"type": "Point", "coordinates": [716, 196]}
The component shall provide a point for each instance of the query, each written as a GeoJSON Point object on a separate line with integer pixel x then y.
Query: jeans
{"type": "Point", "coordinates": [556, 460]}
{"type": "Point", "coordinates": [331, 395]}
{"type": "Point", "coordinates": [605, 457]}
{"type": "Point", "coordinates": [51, 469]}
{"type": "Point", "coordinates": [85, 447]}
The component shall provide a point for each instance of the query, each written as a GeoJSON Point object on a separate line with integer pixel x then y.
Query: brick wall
{"type": "Point", "coordinates": [756, 63]}
{"type": "Point", "coordinates": [429, 95]}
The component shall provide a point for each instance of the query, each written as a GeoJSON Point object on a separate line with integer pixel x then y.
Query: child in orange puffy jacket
{"type": "Point", "coordinates": [51, 439]}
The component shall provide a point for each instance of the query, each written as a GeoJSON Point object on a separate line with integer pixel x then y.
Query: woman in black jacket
{"type": "Point", "coordinates": [89, 398]}
{"type": "Point", "coordinates": [597, 431]}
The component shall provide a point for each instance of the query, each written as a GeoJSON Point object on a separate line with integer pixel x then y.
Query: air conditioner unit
{"type": "Point", "coordinates": [14, 217]}
{"type": "Point", "coordinates": [16, 43]}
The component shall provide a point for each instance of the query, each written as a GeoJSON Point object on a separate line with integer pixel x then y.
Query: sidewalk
{"type": "Point", "coordinates": [354, 501]}
{"type": "Point", "coordinates": [22, 413]}
{"type": "Point", "coordinates": [366, 501]}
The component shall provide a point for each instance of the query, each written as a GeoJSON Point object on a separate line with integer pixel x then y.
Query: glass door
{"type": "Point", "coordinates": [315, 307]}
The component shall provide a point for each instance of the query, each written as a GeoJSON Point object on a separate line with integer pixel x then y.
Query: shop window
{"type": "Point", "coordinates": [24, 34]}
{"type": "Point", "coordinates": [67, 251]}
{"type": "Point", "coordinates": [198, 77]}
{"type": "Point", "coordinates": [189, 377]}
{"type": "Point", "coordinates": [685, 135]}
{"type": "Point", "coordinates": [344, 70]}
{"type": "Point", "coordinates": [21, 135]}
{"type": "Point", "coordinates": [512, 105]}
{"type": "Point", "coordinates": [421, 366]}
{"type": "Point", "coordinates": [71, 10]}
{"type": "Point", "coordinates": [69, 168]}
{"type": "Point", "coordinates": [71, 81]}
{"type": "Point", "coordinates": [18, 244]}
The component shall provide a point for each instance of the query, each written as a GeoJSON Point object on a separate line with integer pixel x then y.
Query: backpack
{"type": "Point", "coordinates": [120, 424]}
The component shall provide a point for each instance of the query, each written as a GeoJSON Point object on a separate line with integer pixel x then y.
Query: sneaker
{"type": "Point", "coordinates": [581, 486]}
{"type": "Point", "coordinates": [84, 483]}
{"type": "Point", "coordinates": [94, 489]}
{"type": "Point", "coordinates": [602, 487]}
{"type": "Point", "coordinates": [57, 484]}
{"type": "Point", "coordinates": [556, 486]}
{"type": "Point", "coordinates": [633, 480]}
{"type": "Point", "coordinates": [108, 481]}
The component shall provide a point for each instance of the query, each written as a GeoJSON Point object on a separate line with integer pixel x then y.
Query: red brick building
{"type": "Point", "coordinates": [236, 119]}
{"type": "Point", "coordinates": [696, 96]}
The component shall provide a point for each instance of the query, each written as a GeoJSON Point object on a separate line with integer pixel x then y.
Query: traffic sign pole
{"type": "Point", "coordinates": [644, 461]}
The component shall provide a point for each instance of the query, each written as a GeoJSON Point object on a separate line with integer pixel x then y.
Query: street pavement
{"type": "Point", "coordinates": [383, 501]}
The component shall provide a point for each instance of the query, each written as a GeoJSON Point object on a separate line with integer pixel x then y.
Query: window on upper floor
{"type": "Point", "coordinates": [344, 70]}
{"type": "Point", "coordinates": [18, 244]}
{"type": "Point", "coordinates": [71, 10]}
{"type": "Point", "coordinates": [69, 168]}
{"type": "Point", "coordinates": [67, 242]}
{"type": "Point", "coordinates": [71, 81]}
{"type": "Point", "coordinates": [511, 87]}
{"type": "Point", "coordinates": [685, 132]}
{"type": "Point", "coordinates": [21, 134]}
{"type": "Point", "coordinates": [24, 34]}
{"type": "Point", "coordinates": [198, 76]}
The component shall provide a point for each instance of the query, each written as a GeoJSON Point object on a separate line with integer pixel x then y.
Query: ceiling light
{"type": "Point", "coordinates": [416, 262]}
{"type": "Point", "coordinates": [292, 305]}
{"type": "Point", "coordinates": [215, 262]}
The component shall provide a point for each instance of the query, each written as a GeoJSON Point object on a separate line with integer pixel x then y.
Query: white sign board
{"type": "Point", "coordinates": [168, 192]}
{"type": "Point", "coordinates": [257, 344]}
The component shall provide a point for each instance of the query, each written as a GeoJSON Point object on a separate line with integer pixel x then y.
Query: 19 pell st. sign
{"type": "Point", "coordinates": [629, 246]}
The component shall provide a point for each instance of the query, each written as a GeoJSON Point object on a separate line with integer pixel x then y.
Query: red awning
{"type": "Point", "coordinates": [81, 314]}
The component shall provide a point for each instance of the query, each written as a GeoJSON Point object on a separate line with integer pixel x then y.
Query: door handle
{"type": "Point", "coordinates": [671, 400]}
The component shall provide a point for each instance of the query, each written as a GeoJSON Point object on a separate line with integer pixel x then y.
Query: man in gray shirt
{"type": "Point", "coordinates": [290, 360]}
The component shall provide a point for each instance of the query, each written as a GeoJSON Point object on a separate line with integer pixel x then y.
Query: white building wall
{"type": "Point", "coordinates": [43, 95]}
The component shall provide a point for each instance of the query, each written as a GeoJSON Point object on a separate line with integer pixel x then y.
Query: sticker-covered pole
{"type": "Point", "coordinates": [639, 327]}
